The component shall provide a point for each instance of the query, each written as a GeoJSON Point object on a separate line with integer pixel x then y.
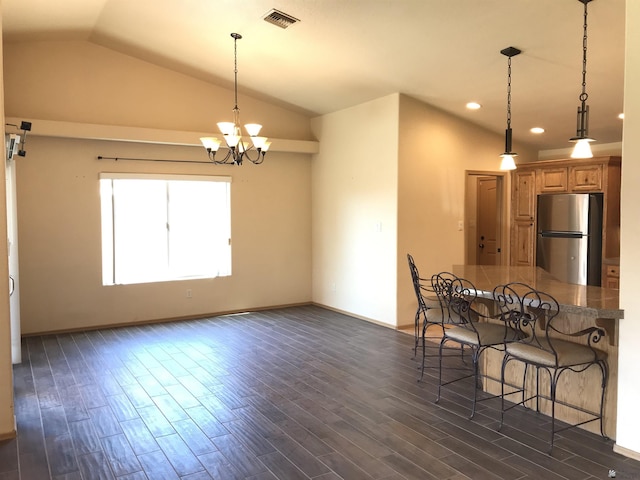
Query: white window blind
{"type": "Point", "coordinates": [164, 227]}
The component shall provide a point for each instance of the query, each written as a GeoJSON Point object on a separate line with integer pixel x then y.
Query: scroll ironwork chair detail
{"type": "Point", "coordinates": [544, 345]}
{"type": "Point", "coordinates": [467, 327]}
{"type": "Point", "coordinates": [427, 301]}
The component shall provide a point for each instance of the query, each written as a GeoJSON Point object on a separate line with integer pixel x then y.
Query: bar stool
{"type": "Point", "coordinates": [468, 327]}
{"type": "Point", "coordinates": [545, 346]}
{"type": "Point", "coordinates": [424, 317]}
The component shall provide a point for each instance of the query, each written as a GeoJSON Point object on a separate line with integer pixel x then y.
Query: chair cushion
{"type": "Point", "coordinates": [434, 315]}
{"type": "Point", "coordinates": [488, 334]}
{"type": "Point", "coordinates": [431, 301]}
{"type": "Point", "coordinates": [569, 353]}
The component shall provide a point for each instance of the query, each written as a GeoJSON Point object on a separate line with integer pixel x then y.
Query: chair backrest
{"type": "Point", "coordinates": [457, 296]}
{"type": "Point", "coordinates": [530, 312]}
{"type": "Point", "coordinates": [418, 287]}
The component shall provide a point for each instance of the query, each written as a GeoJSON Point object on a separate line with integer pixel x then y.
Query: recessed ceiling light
{"type": "Point", "coordinates": [473, 106]}
{"type": "Point", "coordinates": [621, 116]}
{"type": "Point", "coordinates": [537, 130]}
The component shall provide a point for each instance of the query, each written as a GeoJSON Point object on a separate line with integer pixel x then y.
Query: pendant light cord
{"type": "Point", "coordinates": [584, 95]}
{"type": "Point", "coordinates": [509, 94]}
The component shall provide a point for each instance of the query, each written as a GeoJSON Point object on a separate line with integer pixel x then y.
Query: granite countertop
{"type": "Point", "coordinates": [590, 302]}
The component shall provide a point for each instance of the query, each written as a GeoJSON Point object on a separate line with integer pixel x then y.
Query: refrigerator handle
{"type": "Point", "coordinates": [562, 234]}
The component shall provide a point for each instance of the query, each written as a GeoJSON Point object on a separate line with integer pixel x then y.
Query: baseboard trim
{"type": "Point", "coordinates": [359, 317]}
{"type": "Point", "coordinates": [626, 452]}
{"type": "Point", "coordinates": [12, 434]}
{"type": "Point", "coordinates": [164, 320]}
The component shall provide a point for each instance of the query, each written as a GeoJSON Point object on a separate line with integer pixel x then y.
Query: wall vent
{"type": "Point", "coordinates": [280, 19]}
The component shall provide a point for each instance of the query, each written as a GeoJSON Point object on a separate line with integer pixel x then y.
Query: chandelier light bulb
{"type": "Point", "coordinates": [211, 143]}
{"type": "Point", "coordinates": [253, 129]}
{"type": "Point", "coordinates": [232, 140]}
{"type": "Point", "coordinates": [258, 142]}
{"type": "Point", "coordinates": [226, 128]}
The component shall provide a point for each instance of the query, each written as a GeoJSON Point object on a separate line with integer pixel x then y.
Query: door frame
{"type": "Point", "coordinates": [470, 205]}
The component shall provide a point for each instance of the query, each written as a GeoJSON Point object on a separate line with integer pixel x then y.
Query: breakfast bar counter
{"type": "Point", "coordinates": [581, 306]}
{"type": "Point", "coordinates": [600, 305]}
{"type": "Point", "coordinates": [590, 302]}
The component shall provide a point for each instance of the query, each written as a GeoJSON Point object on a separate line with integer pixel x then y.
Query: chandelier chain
{"type": "Point", "coordinates": [235, 69]}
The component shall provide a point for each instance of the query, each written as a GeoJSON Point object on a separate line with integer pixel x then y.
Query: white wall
{"type": "Point", "coordinates": [628, 424]}
{"type": "Point", "coordinates": [354, 210]}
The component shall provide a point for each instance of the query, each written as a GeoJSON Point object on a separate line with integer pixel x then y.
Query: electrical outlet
{"type": "Point", "coordinates": [189, 295]}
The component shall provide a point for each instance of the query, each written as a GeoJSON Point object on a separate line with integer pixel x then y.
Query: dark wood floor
{"type": "Point", "coordinates": [294, 393]}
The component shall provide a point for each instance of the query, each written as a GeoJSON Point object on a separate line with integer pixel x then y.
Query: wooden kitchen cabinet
{"type": "Point", "coordinates": [612, 277]}
{"type": "Point", "coordinates": [524, 195]}
{"type": "Point", "coordinates": [586, 178]}
{"type": "Point", "coordinates": [553, 180]}
{"type": "Point", "coordinates": [523, 243]}
{"type": "Point", "coordinates": [592, 175]}
{"type": "Point", "coordinates": [524, 213]}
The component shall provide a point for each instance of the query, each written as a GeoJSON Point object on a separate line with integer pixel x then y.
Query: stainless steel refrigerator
{"type": "Point", "coordinates": [569, 236]}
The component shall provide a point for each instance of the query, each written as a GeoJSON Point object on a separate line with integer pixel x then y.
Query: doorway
{"type": "Point", "coordinates": [486, 238]}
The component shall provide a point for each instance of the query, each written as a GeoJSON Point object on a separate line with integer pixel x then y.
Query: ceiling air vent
{"type": "Point", "coordinates": [280, 19]}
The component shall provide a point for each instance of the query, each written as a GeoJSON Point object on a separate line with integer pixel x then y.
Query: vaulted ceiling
{"type": "Point", "coordinates": [345, 52]}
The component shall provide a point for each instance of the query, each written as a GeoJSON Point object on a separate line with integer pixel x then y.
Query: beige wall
{"type": "Point", "coordinates": [628, 426]}
{"type": "Point", "coordinates": [436, 150]}
{"type": "Point", "coordinates": [397, 165]}
{"type": "Point", "coordinates": [354, 210]}
{"type": "Point", "coordinates": [58, 201]}
{"type": "Point", "coordinates": [81, 82]}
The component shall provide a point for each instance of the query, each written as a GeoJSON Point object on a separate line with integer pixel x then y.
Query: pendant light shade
{"type": "Point", "coordinates": [508, 161]}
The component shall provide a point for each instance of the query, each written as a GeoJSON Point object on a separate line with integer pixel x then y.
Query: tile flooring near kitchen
{"type": "Point", "coordinates": [293, 393]}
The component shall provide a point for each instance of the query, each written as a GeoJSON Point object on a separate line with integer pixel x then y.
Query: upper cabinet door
{"type": "Point", "coordinates": [524, 195]}
{"type": "Point", "coordinates": [586, 178]}
{"type": "Point", "coordinates": [553, 180]}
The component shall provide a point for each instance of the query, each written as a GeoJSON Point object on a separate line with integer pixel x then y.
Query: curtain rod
{"type": "Point", "coordinates": [100, 157]}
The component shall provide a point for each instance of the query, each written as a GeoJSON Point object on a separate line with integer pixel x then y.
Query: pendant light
{"type": "Point", "coordinates": [582, 148]}
{"type": "Point", "coordinates": [508, 163]}
{"type": "Point", "coordinates": [238, 149]}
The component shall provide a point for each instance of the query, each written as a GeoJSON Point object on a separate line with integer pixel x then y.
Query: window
{"type": "Point", "coordinates": [164, 227]}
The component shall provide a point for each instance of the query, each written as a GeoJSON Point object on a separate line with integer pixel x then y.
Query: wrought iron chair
{"type": "Point", "coordinates": [427, 301]}
{"type": "Point", "coordinates": [468, 327]}
{"type": "Point", "coordinates": [543, 345]}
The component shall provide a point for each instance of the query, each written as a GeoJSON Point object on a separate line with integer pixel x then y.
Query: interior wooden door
{"type": "Point", "coordinates": [487, 241]}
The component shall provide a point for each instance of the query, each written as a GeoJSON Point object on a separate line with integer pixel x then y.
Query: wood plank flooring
{"type": "Point", "coordinates": [295, 393]}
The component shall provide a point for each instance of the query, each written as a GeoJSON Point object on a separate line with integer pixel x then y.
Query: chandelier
{"type": "Point", "coordinates": [238, 148]}
{"type": "Point", "coordinates": [508, 163]}
{"type": "Point", "coordinates": [582, 148]}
